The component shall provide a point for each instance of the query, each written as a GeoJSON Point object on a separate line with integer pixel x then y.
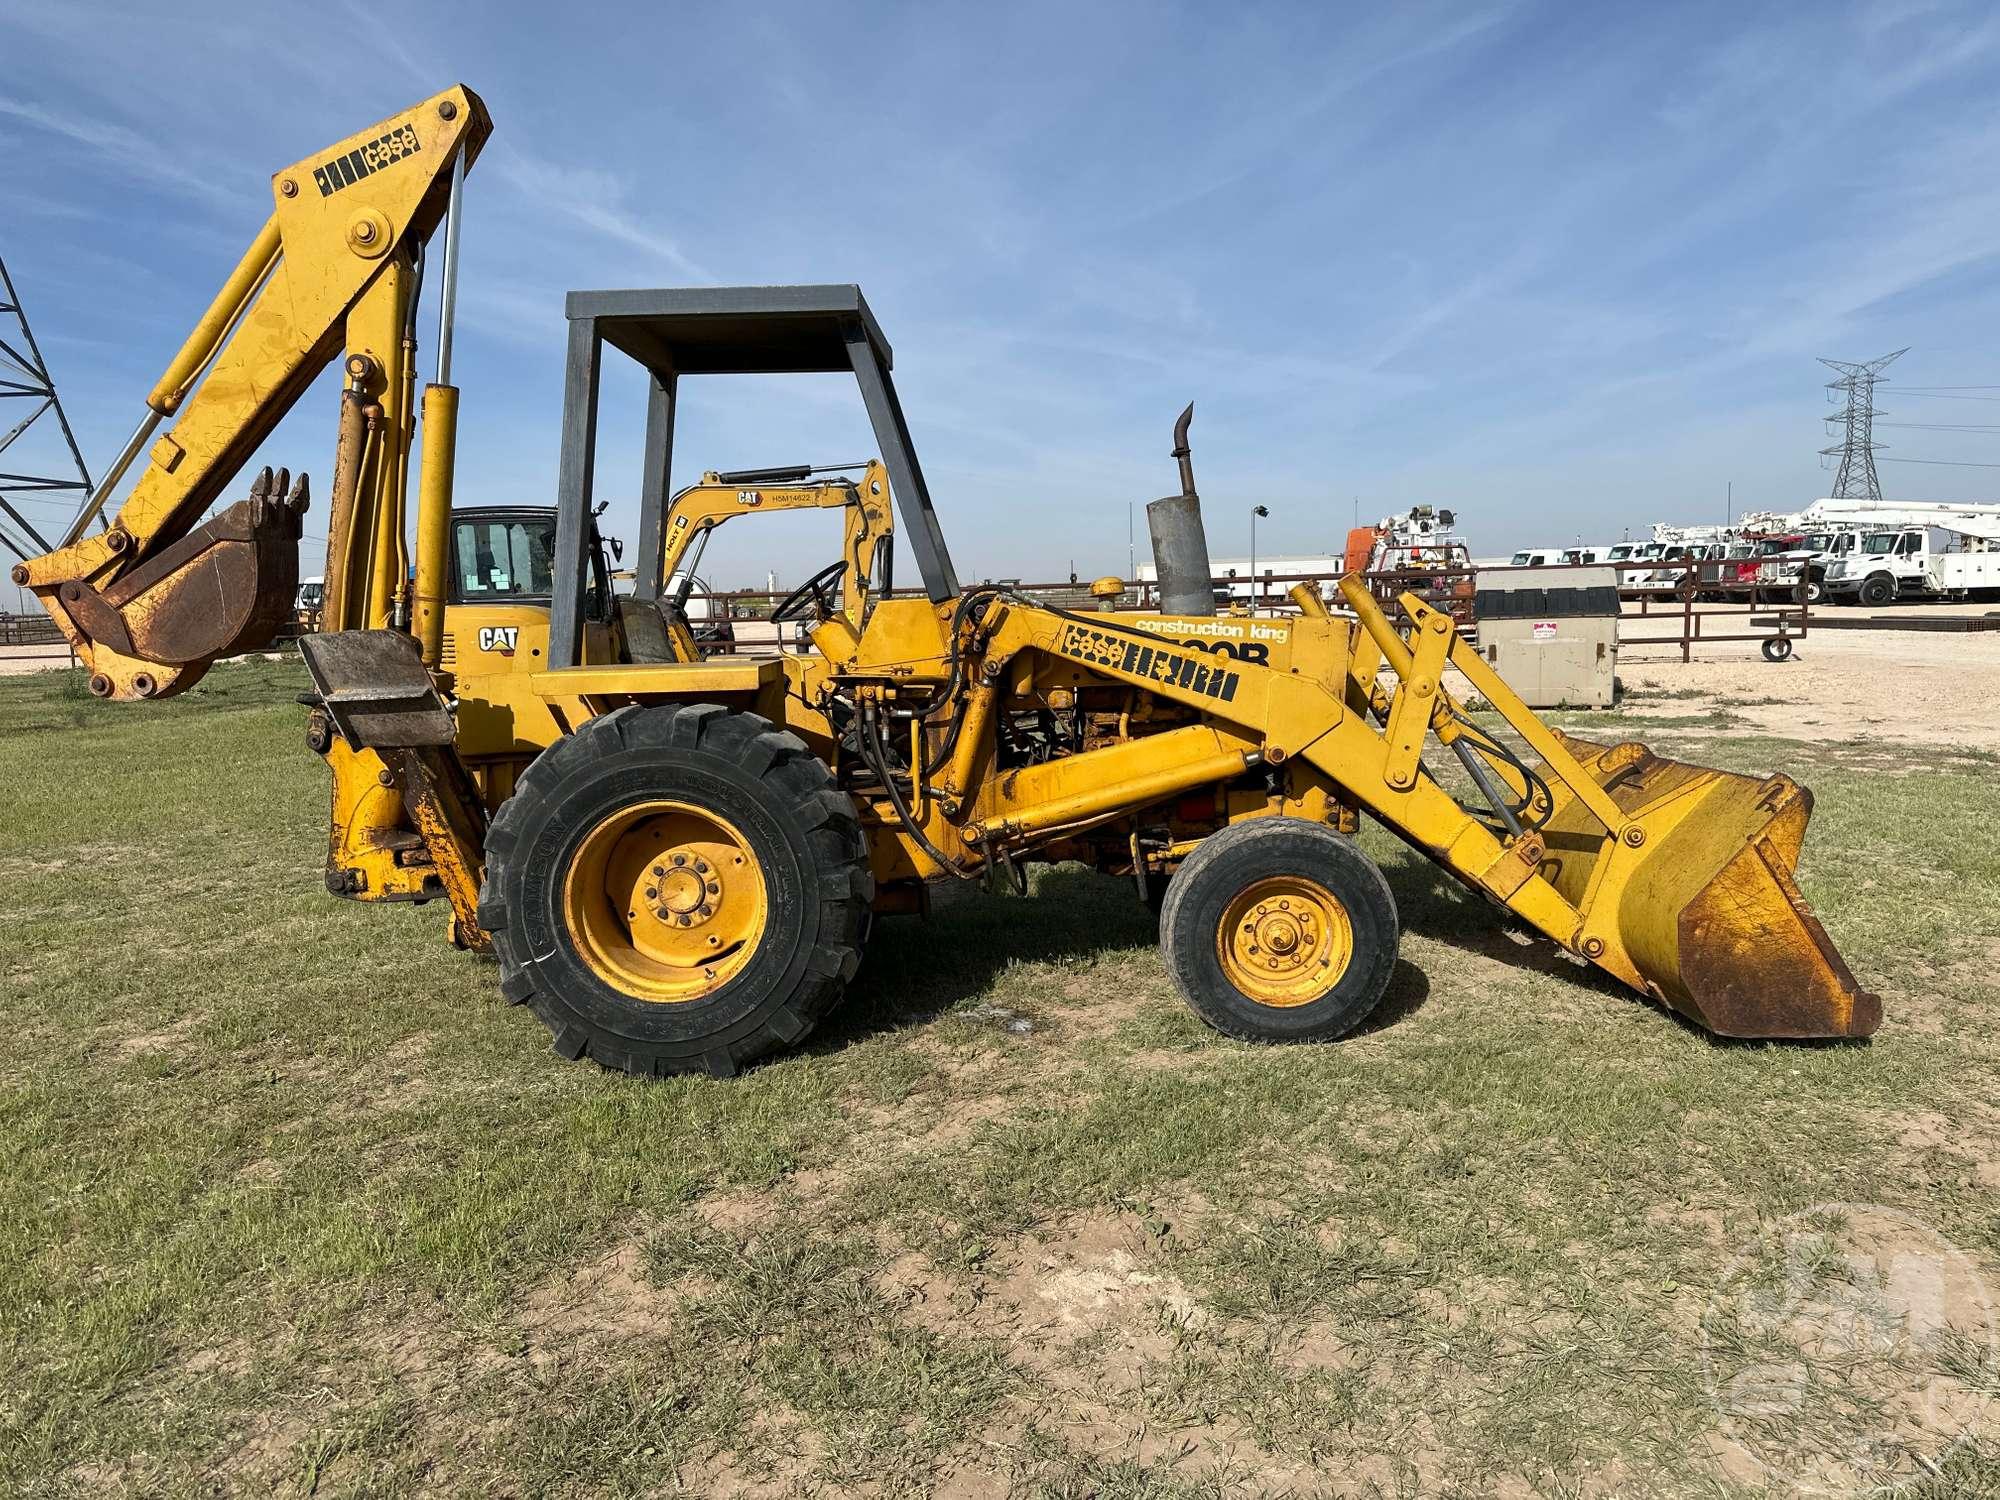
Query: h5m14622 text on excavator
{"type": "Point", "coordinates": [676, 858]}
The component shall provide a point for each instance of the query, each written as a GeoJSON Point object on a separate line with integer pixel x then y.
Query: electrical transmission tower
{"type": "Point", "coordinates": [24, 377]}
{"type": "Point", "coordinates": [1855, 477]}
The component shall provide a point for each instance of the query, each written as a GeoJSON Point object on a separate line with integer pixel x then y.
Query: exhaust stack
{"type": "Point", "coordinates": [1180, 545]}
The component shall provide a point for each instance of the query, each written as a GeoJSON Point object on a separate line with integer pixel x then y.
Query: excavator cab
{"type": "Point", "coordinates": [502, 575]}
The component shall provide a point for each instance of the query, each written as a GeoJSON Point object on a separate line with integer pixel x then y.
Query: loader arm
{"type": "Point", "coordinates": [1676, 879]}
{"type": "Point", "coordinates": [150, 601]}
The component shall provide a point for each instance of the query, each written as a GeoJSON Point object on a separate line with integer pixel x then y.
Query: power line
{"type": "Point", "coordinates": [1946, 426]}
{"type": "Point", "coordinates": [1943, 395]}
{"type": "Point", "coordinates": [1947, 463]}
{"type": "Point", "coordinates": [1856, 479]}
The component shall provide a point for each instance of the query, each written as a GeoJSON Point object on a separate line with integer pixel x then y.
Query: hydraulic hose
{"type": "Point", "coordinates": [877, 757]}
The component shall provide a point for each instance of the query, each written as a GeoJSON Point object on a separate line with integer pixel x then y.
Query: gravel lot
{"type": "Point", "coordinates": [1914, 686]}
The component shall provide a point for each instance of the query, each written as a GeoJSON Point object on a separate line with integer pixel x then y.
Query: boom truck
{"type": "Point", "coordinates": [676, 859]}
{"type": "Point", "coordinates": [1902, 549]}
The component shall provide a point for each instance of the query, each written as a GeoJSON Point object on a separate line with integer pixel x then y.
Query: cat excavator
{"type": "Point", "coordinates": [675, 857]}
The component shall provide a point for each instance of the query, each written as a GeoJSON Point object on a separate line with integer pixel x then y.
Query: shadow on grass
{"type": "Point", "coordinates": [916, 971]}
{"type": "Point", "coordinates": [1433, 904]}
{"type": "Point", "coordinates": [1409, 988]}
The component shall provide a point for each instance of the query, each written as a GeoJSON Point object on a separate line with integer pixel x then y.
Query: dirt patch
{"type": "Point", "coordinates": [605, 1300]}
{"type": "Point", "coordinates": [229, 1359]}
{"type": "Point", "coordinates": [170, 1038]}
{"type": "Point", "coordinates": [266, 1451]}
{"type": "Point", "coordinates": [1089, 1283]}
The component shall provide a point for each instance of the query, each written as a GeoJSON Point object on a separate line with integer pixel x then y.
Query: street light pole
{"type": "Point", "coordinates": [1256, 583]}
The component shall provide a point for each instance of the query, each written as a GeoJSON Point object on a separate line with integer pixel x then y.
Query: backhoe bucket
{"type": "Point", "coordinates": [1703, 912]}
{"type": "Point", "coordinates": [224, 588]}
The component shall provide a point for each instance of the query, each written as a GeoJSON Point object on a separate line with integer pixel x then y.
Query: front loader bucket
{"type": "Point", "coordinates": [1703, 912]}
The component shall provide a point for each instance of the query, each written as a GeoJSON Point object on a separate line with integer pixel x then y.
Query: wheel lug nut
{"type": "Point", "coordinates": [660, 870]}
{"type": "Point", "coordinates": [714, 889]}
{"type": "Point", "coordinates": [652, 893]}
{"type": "Point", "coordinates": [686, 920]}
{"type": "Point", "coordinates": [701, 867]}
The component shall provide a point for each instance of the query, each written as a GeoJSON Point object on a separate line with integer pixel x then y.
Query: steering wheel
{"type": "Point", "coordinates": [817, 590]}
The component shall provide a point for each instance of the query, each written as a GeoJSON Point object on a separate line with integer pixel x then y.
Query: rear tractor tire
{"type": "Point", "coordinates": [676, 888]}
{"type": "Point", "coordinates": [1280, 930]}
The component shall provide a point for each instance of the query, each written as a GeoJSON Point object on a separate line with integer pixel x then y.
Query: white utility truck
{"type": "Point", "coordinates": [1909, 550]}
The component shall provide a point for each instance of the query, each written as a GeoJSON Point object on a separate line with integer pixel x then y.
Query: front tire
{"type": "Point", "coordinates": [1878, 589]}
{"type": "Point", "coordinates": [1280, 929]}
{"type": "Point", "coordinates": [676, 888]}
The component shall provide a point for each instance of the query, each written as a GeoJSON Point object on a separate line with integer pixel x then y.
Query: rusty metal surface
{"type": "Point", "coordinates": [373, 685]}
{"type": "Point", "coordinates": [1706, 907]}
{"type": "Point", "coordinates": [226, 587]}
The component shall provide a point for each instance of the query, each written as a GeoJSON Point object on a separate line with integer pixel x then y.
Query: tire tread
{"type": "Point", "coordinates": [798, 780]}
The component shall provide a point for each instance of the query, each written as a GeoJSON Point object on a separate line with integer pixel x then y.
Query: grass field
{"type": "Point", "coordinates": [293, 1199]}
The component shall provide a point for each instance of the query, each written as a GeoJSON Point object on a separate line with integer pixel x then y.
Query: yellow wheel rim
{"type": "Point", "coordinates": [665, 901]}
{"type": "Point", "coordinates": [1285, 941]}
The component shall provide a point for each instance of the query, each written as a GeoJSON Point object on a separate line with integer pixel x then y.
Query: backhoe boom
{"type": "Point", "coordinates": [333, 269]}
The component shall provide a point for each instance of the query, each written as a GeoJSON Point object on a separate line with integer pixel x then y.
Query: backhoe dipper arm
{"type": "Point", "coordinates": [152, 600]}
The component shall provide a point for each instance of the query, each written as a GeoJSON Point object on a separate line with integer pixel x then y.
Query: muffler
{"type": "Point", "coordinates": [1180, 544]}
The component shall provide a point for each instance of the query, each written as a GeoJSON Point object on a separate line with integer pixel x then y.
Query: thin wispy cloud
{"type": "Point", "coordinates": [134, 156]}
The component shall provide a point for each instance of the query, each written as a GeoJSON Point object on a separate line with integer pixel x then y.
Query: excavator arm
{"type": "Point", "coordinates": [867, 528]}
{"type": "Point", "coordinates": [700, 508]}
{"type": "Point", "coordinates": [152, 599]}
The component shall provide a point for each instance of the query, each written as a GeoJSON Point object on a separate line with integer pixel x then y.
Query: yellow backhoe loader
{"type": "Point", "coordinates": [676, 858]}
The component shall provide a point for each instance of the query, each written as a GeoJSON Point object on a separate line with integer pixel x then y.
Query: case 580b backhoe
{"type": "Point", "coordinates": [676, 858]}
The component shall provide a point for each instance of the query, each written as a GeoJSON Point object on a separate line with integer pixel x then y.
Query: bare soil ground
{"type": "Point", "coordinates": [1913, 686]}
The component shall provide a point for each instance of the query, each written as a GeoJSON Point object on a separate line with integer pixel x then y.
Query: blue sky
{"type": "Point", "coordinates": [1564, 268]}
